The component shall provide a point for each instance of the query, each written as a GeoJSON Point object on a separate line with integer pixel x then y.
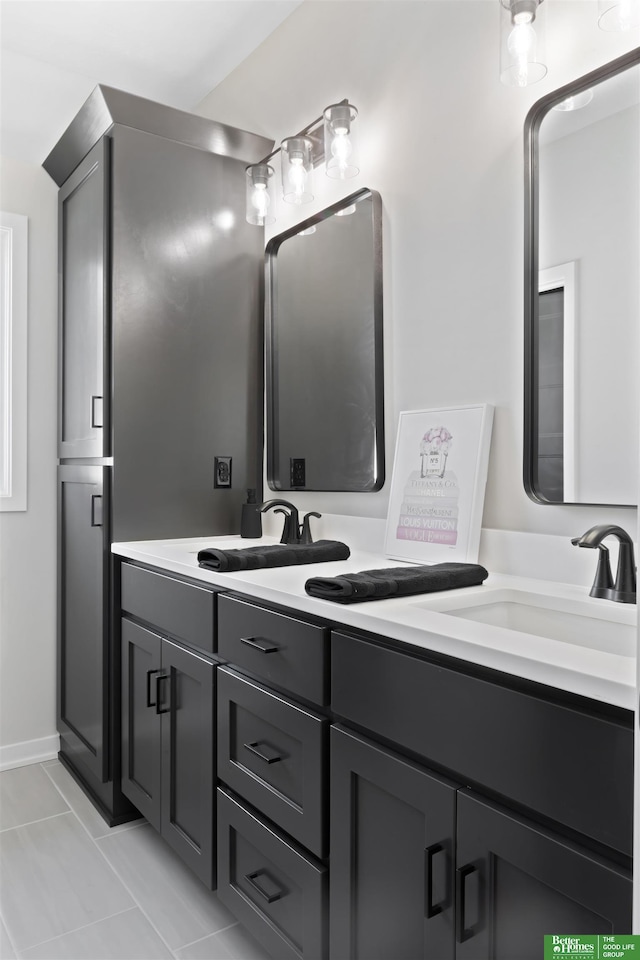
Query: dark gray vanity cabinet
{"type": "Point", "coordinates": [392, 848]}
{"type": "Point", "coordinates": [168, 715]}
{"type": "Point", "coordinates": [374, 800]}
{"type": "Point", "coordinates": [505, 876]}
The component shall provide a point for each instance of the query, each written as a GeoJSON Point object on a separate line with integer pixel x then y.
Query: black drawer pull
{"type": "Point", "coordinates": [270, 895]}
{"type": "Point", "coordinates": [462, 931]}
{"type": "Point", "coordinates": [253, 748]}
{"type": "Point", "coordinates": [433, 909]}
{"type": "Point", "coordinates": [159, 709]}
{"type": "Point", "coordinates": [150, 702]}
{"type": "Point", "coordinates": [259, 643]}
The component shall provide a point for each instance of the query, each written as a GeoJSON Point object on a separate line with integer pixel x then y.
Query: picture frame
{"type": "Point", "coordinates": [438, 484]}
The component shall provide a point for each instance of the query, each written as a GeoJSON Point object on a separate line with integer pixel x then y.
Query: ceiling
{"type": "Point", "coordinates": [54, 52]}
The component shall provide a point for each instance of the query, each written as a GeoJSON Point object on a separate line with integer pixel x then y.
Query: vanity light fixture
{"type": "Point", "coordinates": [260, 194]}
{"type": "Point", "coordinates": [522, 41]}
{"type": "Point", "coordinates": [298, 156]}
{"type": "Point", "coordinates": [297, 169]}
{"type": "Point", "coordinates": [618, 14]}
{"type": "Point", "coordinates": [338, 141]}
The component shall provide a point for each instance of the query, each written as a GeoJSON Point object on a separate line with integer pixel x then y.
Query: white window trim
{"type": "Point", "coordinates": [13, 361]}
{"type": "Point", "coordinates": [564, 276]}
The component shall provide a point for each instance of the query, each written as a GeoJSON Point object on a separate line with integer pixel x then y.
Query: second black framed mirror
{"type": "Point", "coordinates": [325, 371]}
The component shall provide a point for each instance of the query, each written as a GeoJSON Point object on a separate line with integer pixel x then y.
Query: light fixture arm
{"type": "Point", "coordinates": [318, 152]}
{"type": "Point", "coordinates": [328, 139]}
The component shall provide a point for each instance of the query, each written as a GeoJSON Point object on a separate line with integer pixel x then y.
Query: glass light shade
{"type": "Point", "coordinates": [576, 102]}
{"type": "Point", "coordinates": [297, 169]}
{"type": "Point", "coordinates": [261, 200]}
{"type": "Point", "coordinates": [340, 154]}
{"type": "Point", "coordinates": [346, 211]}
{"type": "Point", "coordinates": [522, 42]}
{"type": "Point", "coordinates": [618, 14]}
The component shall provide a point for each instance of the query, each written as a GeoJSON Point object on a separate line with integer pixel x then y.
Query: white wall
{"type": "Point", "coordinates": [27, 539]}
{"type": "Point", "coordinates": [441, 140]}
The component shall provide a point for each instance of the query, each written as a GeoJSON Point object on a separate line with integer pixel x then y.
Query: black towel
{"type": "Point", "coordinates": [395, 582]}
{"type": "Point", "coordinates": [274, 555]}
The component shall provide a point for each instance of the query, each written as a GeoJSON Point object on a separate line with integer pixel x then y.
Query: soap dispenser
{"type": "Point", "coordinates": [251, 519]}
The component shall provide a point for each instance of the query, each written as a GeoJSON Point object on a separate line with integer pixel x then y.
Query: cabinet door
{"type": "Point", "coordinates": [187, 708]}
{"type": "Point", "coordinates": [392, 834]}
{"type": "Point", "coordinates": [84, 277]}
{"type": "Point", "coordinates": [516, 882]}
{"type": "Point", "coordinates": [141, 691]}
{"type": "Point", "coordinates": [83, 628]}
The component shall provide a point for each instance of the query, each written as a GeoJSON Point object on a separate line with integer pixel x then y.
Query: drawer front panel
{"type": "Point", "coordinates": [283, 651]}
{"type": "Point", "coordinates": [543, 755]}
{"type": "Point", "coordinates": [179, 609]}
{"type": "Point", "coordinates": [277, 892]}
{"type": "Point", "coordinates": [273, 752]}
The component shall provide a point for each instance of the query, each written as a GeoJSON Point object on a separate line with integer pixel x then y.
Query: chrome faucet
{"type": "Point", "coordinates": [624, 588]}
{"type": "Point", "coordinates": [293, 531]}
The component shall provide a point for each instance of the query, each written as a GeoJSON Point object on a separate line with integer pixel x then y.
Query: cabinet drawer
{"type": "Point", "coordinates": [176, 608]}
{"type": "Point", "coordinates": [272, 752]}
{"type": "Point", "coordinates": [282, 650]}
{"type": "Point", "coordinates": [270, 885]}
{"type": "Point", "coordinates": [558, 760]}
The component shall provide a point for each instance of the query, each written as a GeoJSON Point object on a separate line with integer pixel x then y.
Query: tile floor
{"type": "Point", "coordinates": [73, 889]}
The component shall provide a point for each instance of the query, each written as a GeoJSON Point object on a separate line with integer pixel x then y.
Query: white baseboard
{"type": "Point", "coordinates": [30, 751]}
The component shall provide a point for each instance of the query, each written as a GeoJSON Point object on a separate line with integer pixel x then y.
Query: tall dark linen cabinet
{"type": "Point", "coordinates": [160, 373]}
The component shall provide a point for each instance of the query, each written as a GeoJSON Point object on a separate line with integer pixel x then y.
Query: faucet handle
{"type": "Point", "coordinates": [305, 534]}
{"type": "Point", "coordinates": [625, 585]}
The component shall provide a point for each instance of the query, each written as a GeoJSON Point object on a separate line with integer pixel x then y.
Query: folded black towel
{"type": "Point", "coordinates": [395, 582]}
{"type": "Point", "coordinates": [275, 555]}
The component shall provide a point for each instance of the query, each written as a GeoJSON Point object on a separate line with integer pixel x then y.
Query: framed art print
{"type": "Point", "coordinates": [438, 484]}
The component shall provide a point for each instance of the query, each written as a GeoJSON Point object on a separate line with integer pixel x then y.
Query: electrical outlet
{"type": "Point", "coordinates": [222, 473]}
{"type": "Point", "coordinates": [297, 471]}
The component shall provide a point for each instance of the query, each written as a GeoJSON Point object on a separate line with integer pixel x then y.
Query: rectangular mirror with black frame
{"type": "Point", "coordinates": [325, 404]}
{"type": "Point", "coordinates": [582, 290]}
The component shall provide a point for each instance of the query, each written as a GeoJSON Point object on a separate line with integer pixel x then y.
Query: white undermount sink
{"type": "Point", "coordinates": [582, 622]}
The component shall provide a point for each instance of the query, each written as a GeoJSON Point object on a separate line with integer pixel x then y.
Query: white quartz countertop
{"type": "Point", "coordinates": [421, 621]}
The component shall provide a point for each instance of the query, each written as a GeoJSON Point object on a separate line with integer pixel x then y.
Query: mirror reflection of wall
{"type": "Point", "coordinates": [324, 368]}
{"type": "Point", "coordinates": [583, 426]}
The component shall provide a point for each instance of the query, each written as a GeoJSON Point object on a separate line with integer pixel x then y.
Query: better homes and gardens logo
{"type": "Point", "coordinates": [595, 948]}
{"type": "Point", "coordinates": [576, 946]}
